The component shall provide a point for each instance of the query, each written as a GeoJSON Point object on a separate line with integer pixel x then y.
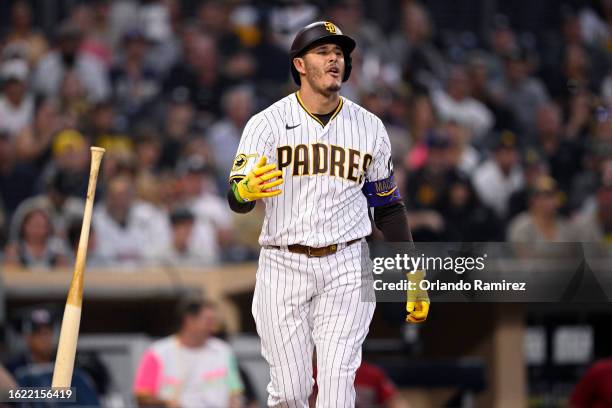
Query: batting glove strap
{"type": "Point", "coordinates": [236, 193]}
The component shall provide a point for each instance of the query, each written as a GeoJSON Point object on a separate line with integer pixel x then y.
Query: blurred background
{"type": "Point", "coordinates": [500, 117]}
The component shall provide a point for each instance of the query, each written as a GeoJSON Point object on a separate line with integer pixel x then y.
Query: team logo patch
{"type": "Point", "coordinates": [239, 162]}
{"type": "Point", "coordinates": [330, 27]}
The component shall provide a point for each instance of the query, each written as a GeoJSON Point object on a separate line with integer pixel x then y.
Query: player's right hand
{"type": "Point", "coordinates": [256, 184]}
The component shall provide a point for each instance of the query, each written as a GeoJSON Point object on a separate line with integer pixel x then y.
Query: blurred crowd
{"type": "Point", "coordinates": [501, 135]}
{"type": "Point", "coordinates": [194, 366]}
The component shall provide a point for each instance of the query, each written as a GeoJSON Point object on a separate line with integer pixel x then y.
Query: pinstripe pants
{"type": "Point", "coordinates": [301, 303]}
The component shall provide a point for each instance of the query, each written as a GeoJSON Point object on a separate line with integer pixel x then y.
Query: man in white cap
{"type": "Point", "coordinates": [16, 104]}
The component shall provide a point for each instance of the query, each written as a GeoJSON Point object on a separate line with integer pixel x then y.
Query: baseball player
{"type": "Point", "coordinates": [318, 161]}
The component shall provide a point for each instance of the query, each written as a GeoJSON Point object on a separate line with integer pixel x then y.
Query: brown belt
{"type": "Point", "coordinates": [314, 252]}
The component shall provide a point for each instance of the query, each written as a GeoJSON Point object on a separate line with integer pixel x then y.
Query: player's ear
{"type": "Point", "coordinates": [300, 65]}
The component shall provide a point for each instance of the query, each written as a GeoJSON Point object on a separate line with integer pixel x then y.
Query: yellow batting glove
{"type": "Point", "coordinates": [417, 304]}
{"type": "Point", "coordinates": [257, 184]}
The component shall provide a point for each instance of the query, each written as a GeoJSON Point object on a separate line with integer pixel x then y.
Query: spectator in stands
{"type": "Point", "coordinates": [23, 39]}
{"type": "Point", "coordinates": [33, 143]}
{"type": "Point", "coordinates": [135, 83]}
{"type": "Point", "coordinates": [224, 136]}
{"type": "Point", "coordinates": [214, 16]}
{"type": "Point", "coordinates": [177, 127]}
{"type": "Point", "coordinates": [595, 388]}
{"type": "Point", "coordinates": [129, 231]}
{"type": "Point", "coordinates": [592, 220]}
{"type": "Point", "coordinates": [562, 153]}
{"type": "Point", "coordinates": [36, 245]}
{"type": "Point", "coordinates": [534, 167]}
{"type": "Point", "coordinates": [271, 75]}
{"type": "Point", "coordinates": [574, 73]}
{"type": "Point", "coordinates": [522, 93]}
{"type": "Point", "coordinates": [197, 76]}
{"type": "Point", "coordinates": [57, 201]}
{"type": "Point", "coordinates": [502, 42]}
{"type": "Point", "coordinates": [74, 228]}
{"type": "Point", "coordinates": [17, 180]}
{"type": "Point", "coordinates": [456, 104]}
{"type": "Point", "coordinates": [71, 156]}
{"type": "Point", "coordinates": [594, 23]}
{"type": "Point", "coordinates": [160, 22]}
{"type": "Point", "coordinates": [418, 59]}
{"type": "Point", "coordinates": [102, 128]}
{"type": "Point", "coordinates": [603, 126]}
{"type": "Point", "coordinates": [606, 88]}
{"type": "Point", "coordinates": [34, 367]}
{"type": "Point", "coordinates": [541, 222]}
{"type": "Point", "coordinates": [16, 104]}
{"type": "Point", "coordinates": [425, 188]}
{"type": "Point", "coordinates": [190, 369]}
{"type": "Point", "coordinates": [181, 250]}
{"type": "Point", "coordinates": [466, 219]}
{"type": "Point", "coordinates": [237, 30]}
{"type": "Point", "coordinates": [463, 156]}
{"type": "Point", "coordinates": [349, 14]}
{"type": "Point", "coordinates": [579, 115]}
{"type": "Point", "coordinates": [52, 68]}
{"type": "Point", "coordinates": [213, 228]}
{"type": "Point", "coordinates": [489, 90]}
{"type": "Point", "coordinates": [3, 227]}
{"type": "Point", "coordinates": [92, 21]}
{"type": "Point", "coordinates": [421, 121]}
{"type": "Point", "coordinates": [148, 150]}
{"type": "Point", "coordinates": [500, 176]}
{"type": "Point", "coordinates": [38, 330]}
{"type": "Point", "coordinates": [73, 99]}
{"type": "Point", "coordinates": [596, 226]}
{"type": "Point", "coordinates": [594, 61]}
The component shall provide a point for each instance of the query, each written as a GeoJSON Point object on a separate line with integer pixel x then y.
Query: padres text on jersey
{"type": "Point", "coordinates": [324, 167]}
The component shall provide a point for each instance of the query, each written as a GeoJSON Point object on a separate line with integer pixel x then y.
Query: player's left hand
{"type": "Point", "coordinates": [417, 304]}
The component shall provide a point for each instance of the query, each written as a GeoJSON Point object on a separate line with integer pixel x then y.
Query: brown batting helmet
{"type": "Point", "coordinates": [321, 32]}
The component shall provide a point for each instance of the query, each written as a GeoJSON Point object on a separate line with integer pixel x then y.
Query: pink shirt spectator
{"type": "Point", "coordinates": [200, 377]}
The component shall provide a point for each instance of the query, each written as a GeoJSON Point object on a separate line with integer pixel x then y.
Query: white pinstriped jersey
{"type": "Point", "coordinates": [324, 169]}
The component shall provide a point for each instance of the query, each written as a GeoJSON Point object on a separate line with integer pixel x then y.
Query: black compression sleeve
{"type": "Point", "coordinates": [236, 206]}
{"type": "Point", "coordinates": [392, 220]}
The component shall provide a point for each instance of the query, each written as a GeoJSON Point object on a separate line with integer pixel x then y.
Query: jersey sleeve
{"type": "Point", "coordinates": [380, 187]}
{"type": "Point", "coordinates": [256, 141]}
{"type": "Point", "coordinates": [233, 380]}
{"type": "Point", "coordinates": [148, 374]}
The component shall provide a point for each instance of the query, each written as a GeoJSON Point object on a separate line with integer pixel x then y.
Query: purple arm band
{"type": "Point", "coordinates": [381, 192]}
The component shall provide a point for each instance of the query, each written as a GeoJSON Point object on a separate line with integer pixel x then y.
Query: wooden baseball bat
{"type": "Point", "coordinates": [69, 333]}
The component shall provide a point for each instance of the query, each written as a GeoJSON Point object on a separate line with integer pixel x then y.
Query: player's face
{"type": "Point", "coordinates": [324, 66]}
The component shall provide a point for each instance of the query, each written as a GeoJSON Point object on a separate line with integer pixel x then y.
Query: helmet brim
{"type": "Point", "coordinates": [346, 43]}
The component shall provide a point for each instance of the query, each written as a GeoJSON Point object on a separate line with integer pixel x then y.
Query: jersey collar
{"type": "Point", "coordinates": [338, 108]}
